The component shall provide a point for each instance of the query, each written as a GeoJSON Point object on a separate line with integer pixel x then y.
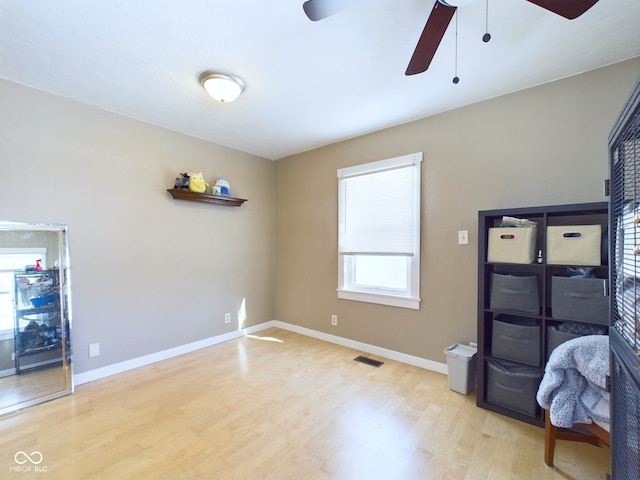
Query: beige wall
{"type": "Point", "coordinates": [149, 273]}
{"type": "Point", "coordinates": [543, 146]}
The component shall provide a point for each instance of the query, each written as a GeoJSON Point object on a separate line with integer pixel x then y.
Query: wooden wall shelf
{"type": "Point", "coordinates": [179, 194]}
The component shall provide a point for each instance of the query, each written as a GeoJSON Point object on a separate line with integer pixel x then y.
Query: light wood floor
{"type": "Point", "coordinates": [30, 385]}
{"type": "Point", "coordinates": [279, 405]}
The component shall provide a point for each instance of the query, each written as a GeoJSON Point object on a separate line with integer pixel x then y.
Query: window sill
{"type": "Point", "coordinates": [403, 302]}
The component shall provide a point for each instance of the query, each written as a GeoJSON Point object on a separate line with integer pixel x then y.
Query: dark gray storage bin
{"type": "Point", "coordinates": [565, 331]}
{"type": "Point", "coordinates": [513, 387]}
{"type": "Point", "coordinates": [581, 299]}
{"type": "Point", "coordinates": [557, 337]}
{"type": "Point", "coordinates": [514, 293]}
{"type": "Point", "coordinates": [516, 338]}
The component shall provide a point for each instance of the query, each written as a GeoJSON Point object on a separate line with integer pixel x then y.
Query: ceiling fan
{"type": "Point", "coordinates": [438, 21]}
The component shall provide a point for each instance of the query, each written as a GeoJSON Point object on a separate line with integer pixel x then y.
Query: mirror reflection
{"type": "Point", "coordinates": [35, 315]}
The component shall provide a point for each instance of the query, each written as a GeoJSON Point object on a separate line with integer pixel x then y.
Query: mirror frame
{"type": "Point", "coordinates": [64, 272]}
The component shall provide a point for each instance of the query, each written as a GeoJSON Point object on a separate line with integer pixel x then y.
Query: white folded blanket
{"type": "Point", "coordinates": [573, 388]}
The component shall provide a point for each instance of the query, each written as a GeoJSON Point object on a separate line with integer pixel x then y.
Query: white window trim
{"type": "Point", "coordinates": [382, 299]}
{"type": "Point", "coordinates": [370, 296]}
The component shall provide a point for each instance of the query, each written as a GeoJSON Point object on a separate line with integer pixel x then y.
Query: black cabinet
{"type": "Point", "coordinates": [546, 284]}
{"type": "Point", "coordinates": [38, 327]}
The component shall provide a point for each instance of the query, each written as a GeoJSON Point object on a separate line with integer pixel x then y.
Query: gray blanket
{"type": "Point", "coordinates": [573, 388]}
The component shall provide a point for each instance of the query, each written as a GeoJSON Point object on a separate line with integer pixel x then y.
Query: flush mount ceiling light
{"type": "Point", "coordinates": [224, 87]}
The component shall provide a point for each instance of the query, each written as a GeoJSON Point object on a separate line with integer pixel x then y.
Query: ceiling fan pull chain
{"type": "Point", "coordinates": [487, 36]}
{"type": "Point", "coordinates": [456, 79]}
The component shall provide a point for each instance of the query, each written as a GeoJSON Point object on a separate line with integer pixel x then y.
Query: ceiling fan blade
{"type": "Point", "coordinates": [432, 34]}
{"type": "Point", "coordinates": [566, 8]}
{"type": "Point", "coordinates": [319, 9]}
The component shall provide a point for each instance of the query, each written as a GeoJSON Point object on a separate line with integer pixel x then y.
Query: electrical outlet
{"type": "Point", "coordinates": [227, 318]}
{"type": "Point", "coordinates": [463, 237]}
{"type": "Point", "coordinates": [94, 349]}
{"type": "Point", "coordinates": [334, 320]}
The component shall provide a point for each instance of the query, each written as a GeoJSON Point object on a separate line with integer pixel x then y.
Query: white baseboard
{"type": "Point", "coordinates": [364, 347]}
{"type": "Point", "coordinates": [98, 373]}
{"type": "Point", "coordinates": [121, 367]}
{"type": "Point", "coordinates": [8, 372]}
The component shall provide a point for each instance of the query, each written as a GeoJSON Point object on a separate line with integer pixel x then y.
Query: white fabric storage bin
{"type": "Point", "coordinates": [574, 245]}
{"type": "Point", "coordinates": [514, 293]}
{"type": "Point", "coordinates": [511, 244]}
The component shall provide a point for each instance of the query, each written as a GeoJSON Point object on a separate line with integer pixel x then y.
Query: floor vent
{"type": "Point", "coordinates": [368, 361]}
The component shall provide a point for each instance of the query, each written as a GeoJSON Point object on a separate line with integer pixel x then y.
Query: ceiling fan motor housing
{"type": "Point", "coordinates": [455, 3]}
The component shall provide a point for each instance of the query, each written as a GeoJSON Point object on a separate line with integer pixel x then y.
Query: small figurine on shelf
{"type": "Point", "coordinates": [182, 182]}
{"type": "Point", "coordinates": [221, 187]}
{"type": "Point", "coordinates": [38, 265]}
{"type": "Point", "coordinates": [197, 183]}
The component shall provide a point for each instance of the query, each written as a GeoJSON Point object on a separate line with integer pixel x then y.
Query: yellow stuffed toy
{"type": "Point", "coordinates": [197, 183]}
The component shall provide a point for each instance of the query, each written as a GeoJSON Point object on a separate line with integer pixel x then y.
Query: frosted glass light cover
{"type": "Point", "coordinates": [222, 87]}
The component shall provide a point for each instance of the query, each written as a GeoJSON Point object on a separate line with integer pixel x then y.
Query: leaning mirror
{"type": "Point", "coordinates": [35, 315]}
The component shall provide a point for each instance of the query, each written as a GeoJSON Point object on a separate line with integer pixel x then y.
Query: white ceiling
{"type": "Point", "coordinates": [309, 84]}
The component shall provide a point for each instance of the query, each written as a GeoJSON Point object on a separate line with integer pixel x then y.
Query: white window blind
{"type": "Point", "coordinates": [378, 212]}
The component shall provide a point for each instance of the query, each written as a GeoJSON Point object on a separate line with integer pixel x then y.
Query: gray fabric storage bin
{"type": "Point", "coordinates": [516, 338]}
{"type": "Point", "coordinates": [581, 299]}
{"type": "Point", "coordinates": [557, 337]}
{"type": "Point", "coordinates": [514, 293]}
{"type": "Point", "coordinates": [565, 331]}
{"type": "Point", "coordinates": [513, 387]}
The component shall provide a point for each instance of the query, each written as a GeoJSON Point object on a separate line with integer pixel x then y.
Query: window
{"type": "Point", "coordinates": [379, 232]}
{"type": "Point", "coordinates": [12, 260]}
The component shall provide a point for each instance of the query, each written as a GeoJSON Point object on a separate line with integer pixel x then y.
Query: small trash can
{"type": "Point", "coordinates": [461, 362]}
